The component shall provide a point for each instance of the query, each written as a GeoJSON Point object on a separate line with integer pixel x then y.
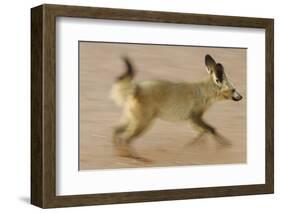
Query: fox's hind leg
{"type": "Point", "coordinates": [136, 122]}
{"type": "Point", "coordinates": [125, 136]}
{"type": "Point", "coordinates": [118, 130]}
{"type": "Point", "coordinates": [131, 132]}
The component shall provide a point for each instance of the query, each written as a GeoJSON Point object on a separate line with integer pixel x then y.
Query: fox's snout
{"type": "Point", "coordinates": [236, 96]}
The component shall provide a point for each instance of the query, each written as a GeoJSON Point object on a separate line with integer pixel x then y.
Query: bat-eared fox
{"type": "Point", "coordinates": [145, 101]}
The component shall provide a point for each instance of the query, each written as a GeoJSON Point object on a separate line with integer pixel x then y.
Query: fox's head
{"type": "Point", "coordinates": [225, 88]}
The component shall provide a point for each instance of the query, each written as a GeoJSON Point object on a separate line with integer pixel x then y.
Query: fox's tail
{"type": "Point", "coordinates": [124, 85]}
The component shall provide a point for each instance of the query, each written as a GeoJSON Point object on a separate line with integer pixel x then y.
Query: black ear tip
{"type": "Point", "coordinates": [209, 58]}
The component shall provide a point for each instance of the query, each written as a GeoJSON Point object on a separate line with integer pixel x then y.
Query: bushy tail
{"type": "Point", "coordinates": [124, 85]}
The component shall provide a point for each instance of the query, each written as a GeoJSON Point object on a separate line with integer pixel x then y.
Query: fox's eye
{"type": "Point", "coordinates": [233, 90]}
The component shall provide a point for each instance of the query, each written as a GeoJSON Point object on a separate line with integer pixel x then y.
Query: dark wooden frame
{"type": "Point", "coordinates": [43, 105]}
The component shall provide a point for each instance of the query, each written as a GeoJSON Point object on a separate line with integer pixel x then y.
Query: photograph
{"type": "Point", "coordinates": [161, 105]}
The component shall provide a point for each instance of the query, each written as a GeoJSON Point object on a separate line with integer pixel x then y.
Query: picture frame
{"type": "Point", "coordinates": [43, 105]}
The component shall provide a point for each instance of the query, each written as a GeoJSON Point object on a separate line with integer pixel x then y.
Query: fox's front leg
{"type": "Point", "coordinates": [202, 126]}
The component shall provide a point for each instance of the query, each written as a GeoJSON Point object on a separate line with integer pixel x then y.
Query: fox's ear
{"type": "Point", "coordinates": [219, 74]}
{"type": "Point", "coordinates": [210, 64]}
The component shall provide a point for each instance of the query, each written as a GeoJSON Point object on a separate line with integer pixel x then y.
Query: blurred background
{"type": "Point", "coordinates": [165, 144]}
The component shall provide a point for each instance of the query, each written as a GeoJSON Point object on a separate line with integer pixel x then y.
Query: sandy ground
{"type": "Point", "coordinates": [165, 144]}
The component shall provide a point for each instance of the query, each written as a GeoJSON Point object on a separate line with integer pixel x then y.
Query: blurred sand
{"type": "Point", "coordinates": [165, 144]}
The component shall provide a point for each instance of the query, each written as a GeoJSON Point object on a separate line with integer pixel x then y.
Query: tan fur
{"type": "Point", "coordinates": [172, 101]}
